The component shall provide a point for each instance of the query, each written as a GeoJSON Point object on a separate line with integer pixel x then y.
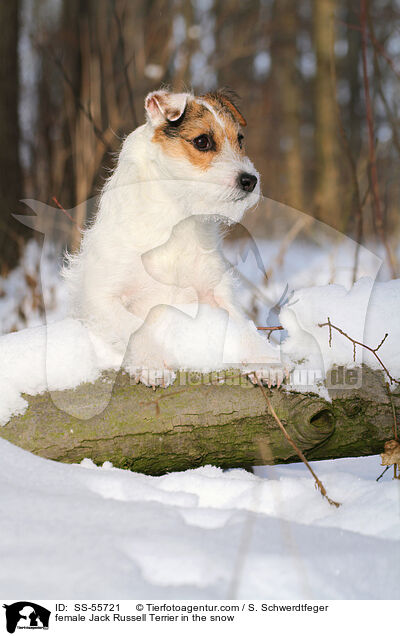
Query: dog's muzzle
{"type": "Point", "coordinates": [247, 182]}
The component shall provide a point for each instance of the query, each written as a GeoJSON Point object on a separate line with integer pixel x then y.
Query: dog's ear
{"type": "Point", "coordinates": [162, 106]}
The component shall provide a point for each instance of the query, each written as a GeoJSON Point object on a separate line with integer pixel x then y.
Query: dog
{"type": "Point", "coordinates": [154, 248]}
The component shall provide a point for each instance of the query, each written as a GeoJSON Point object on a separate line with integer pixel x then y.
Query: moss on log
{"type": "Point", "coordinates": [192, 424]}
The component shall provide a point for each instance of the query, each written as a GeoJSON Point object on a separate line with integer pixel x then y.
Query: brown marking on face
{"type": "Point", "coordinates": [176, 138]}
{"type": "Point", "coordinates": [225, 100]}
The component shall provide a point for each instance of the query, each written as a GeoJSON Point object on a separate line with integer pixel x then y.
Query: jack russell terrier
{"type": "Point", "coordinates": [154, 249]}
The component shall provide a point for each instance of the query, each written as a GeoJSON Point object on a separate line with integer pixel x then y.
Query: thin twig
{"type": "Point", "coordinates": [270, 330]}
{"type": "Point", "coordinates": [318, 483]}
{"type": "Point", "coordinates": [156, 402]}
{"type": "Point", "coordinates": [377, 45]}
{"type": "Point", "coordinates": [67, 214]}
{"type": "Point", "coordinates": [394, 418]}
{"type": "Point", "coordinates": [381, 475]}
{"type": "Point", "coordinates": [390, 115]}
{"type": "Point", "coordinates": [394, 425]}
{"type": "Point", "coordinates": [393, 412]}
{"type": "Point", "coordinates": [373, 350]}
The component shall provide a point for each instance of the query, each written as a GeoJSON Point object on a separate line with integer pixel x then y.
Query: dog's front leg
{"type": "Point", "coordinates": [135, 339]}
{"type": "Point", "coordinates": [149, 359]}
{"type": "Point", "coordinates": [251, 352]}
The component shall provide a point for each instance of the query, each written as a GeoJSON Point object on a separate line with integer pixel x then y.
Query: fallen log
{"type": "Point", "coordinates": [192, 423]}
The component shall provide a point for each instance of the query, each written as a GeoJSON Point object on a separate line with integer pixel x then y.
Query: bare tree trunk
{"type": "Point", "coordinates": [71, 60]}
{"type": "Point", "coordinates": [327, 200]}
{"type": "Point", "coordinates": [286, 88]}
{"type": "Point", "coordinates": [12, 233]}
{"type": "Point", "coordinates": [353, 62]}
{"type": "Point", "coordinates": [182, 75]}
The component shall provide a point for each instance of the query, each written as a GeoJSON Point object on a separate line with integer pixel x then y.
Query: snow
{"type": "Point", "coordinates": [304, 264]}
{"type": "Point", "coordinates": [66, 354]}
{"type": "Point", "coordinates": [45, 358]}
{"type": "Point", "coordinates": [366, 312]}
{"type": "Point", "coordinates": [88, 532]}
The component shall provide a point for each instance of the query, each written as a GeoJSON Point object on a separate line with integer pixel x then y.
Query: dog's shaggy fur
{"type": "Point", "coordinates": [155, 243]}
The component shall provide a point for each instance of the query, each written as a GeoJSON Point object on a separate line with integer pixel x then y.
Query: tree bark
{"type": "Point", "coordinates": [326, 127]}
{"type": "Point", "coordinates": [285, 80]}
{"type": "Point", "coordinates": [191, 424]}
{"type": "Point", "coordinates": [12, 233]}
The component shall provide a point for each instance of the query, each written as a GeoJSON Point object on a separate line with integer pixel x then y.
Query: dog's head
{"type": "Point", "coordinates": [198, 146]}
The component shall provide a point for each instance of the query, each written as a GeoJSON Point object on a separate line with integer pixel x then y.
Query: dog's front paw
{"type": "Point", "coordinates": [146, 362]}
{"type": "Point", "coordinates": [271, 374]}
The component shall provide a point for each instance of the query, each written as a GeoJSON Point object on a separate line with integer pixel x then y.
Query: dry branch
{"type": "Point", "coordinates": [318, 483]}
{"type": "Point", "coordinates": [355, 343]}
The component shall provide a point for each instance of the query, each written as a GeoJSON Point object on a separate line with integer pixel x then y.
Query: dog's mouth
{"type": "Point", "coordinates": [243, 196]}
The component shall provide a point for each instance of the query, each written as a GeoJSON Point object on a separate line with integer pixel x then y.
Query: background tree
{"type": "Point", "coordinates": [12, 233]}
{"type": "Point", "coordinates": [326, 125]}
{"type": "Point", "coordinates": [286, 85]}
{"type": "Point", "coordinates": [296, 65]}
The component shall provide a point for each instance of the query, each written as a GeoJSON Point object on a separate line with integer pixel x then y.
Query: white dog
{"type": "Point", "coordinates": [151, 251]}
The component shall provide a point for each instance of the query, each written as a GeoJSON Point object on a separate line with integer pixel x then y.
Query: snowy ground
{"type": "Point", "coordinates": [87, 532]}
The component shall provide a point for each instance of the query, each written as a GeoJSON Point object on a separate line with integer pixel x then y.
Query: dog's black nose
{"type": "Point", "coordinates": [247, 181]}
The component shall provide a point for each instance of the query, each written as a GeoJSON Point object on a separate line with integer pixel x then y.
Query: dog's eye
{"type": "Point", "coordinates": [203, 142]}
{"type": "Point", "coordinates": [240, 140]}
